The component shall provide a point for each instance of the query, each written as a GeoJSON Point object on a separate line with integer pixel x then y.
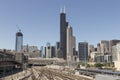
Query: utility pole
{"type": "Point", "coordinates": [85, 54]}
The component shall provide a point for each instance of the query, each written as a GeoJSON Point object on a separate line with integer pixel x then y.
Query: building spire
{"type": "Point", "coordinates": [64, 11]}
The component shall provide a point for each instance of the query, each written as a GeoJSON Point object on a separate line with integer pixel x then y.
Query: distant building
{"type": "Point", "coordinates": [50, 51]}
{"type": "Point", "coordinates": [98, 48]}
{"type": "Point", "coordinates": [116, 52]}
{"type": "Point", "coordinates": [83, 51]}
{"type": "Point", "coordinates": [27, 48]}
{"type": "Point", "coordinates": [90, 49]}
{"type": "Point", "coordinates": [108, 58]}
{"type": "Point", "coordinates": [104, 44]}
{"type": "Point", "coordinates": [112, 43]}
{"type": "Point", "coordinates": [101, 58]}
{"type": "Point", "coordinates": [57, 48]}
{"type": "Point", "coordinates": [42, 55]}
{"type": "Point", "coordinates": [19, 41]}
{"type": "Point", "coordinates": [93, 56]}
{"type": "Point", "coordinates": [31, 51]}
{"type": "Point", "coordinates": [95, 49]}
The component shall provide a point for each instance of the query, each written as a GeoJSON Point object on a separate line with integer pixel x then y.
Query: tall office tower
{"type": "Point", "coordinates": [63, 34]}
{"type": "Point", "coordinates": [83, 51]}
{"type": "Point", "coordinates": [69, 44]}
{"type": "Point", "coordinates": [19, 41]}
{"type": "Point", "coordinates": [104, 46]}
{"type": "Point", "coordinates": [57, 47]}
{"type": "Point", "coordinates": [112, 43]}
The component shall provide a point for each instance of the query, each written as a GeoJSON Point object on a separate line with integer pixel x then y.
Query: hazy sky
{"type": "Point", "coordinates": [92, 20]}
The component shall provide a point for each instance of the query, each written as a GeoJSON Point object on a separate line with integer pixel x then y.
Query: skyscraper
{"type": "Point", "coordinates": [19, 41]}
{"type": "Point", "coordinates": [83, 51]}
{"type": "Point", "coordinates": [63, 34]}
{"type": "Point", "coordinates": [69, 44]}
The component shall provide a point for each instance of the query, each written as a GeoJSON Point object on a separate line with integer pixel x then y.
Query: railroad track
{"type": "Point", "coordinates": [48, 74]}
{"type": "Point", "coordinates": [52, 75]}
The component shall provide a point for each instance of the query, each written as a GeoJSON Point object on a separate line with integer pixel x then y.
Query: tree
{"type": "Point", "coordinates": [98, 65]}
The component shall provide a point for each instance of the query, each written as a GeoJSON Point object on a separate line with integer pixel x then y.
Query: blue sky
{"type": "Point", "coordinates": [92, 20]}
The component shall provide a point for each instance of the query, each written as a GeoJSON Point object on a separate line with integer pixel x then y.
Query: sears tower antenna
{"type": "Point", "coordinates": [63, 10]}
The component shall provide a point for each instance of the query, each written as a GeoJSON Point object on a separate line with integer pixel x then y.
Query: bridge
{"type": "Point", "coordinates": [46, 61]}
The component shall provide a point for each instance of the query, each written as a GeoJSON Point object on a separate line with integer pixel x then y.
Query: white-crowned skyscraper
{"type": "Point", "coordinates": [70, 44]}
{"type": "Point", "coordinates": [19, 41]}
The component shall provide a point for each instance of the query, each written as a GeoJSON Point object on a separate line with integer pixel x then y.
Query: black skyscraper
{"type": "Point", "coordinates": [63, 32]}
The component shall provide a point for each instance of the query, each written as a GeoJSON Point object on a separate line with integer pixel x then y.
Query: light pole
{"type": "Point", "coordinates": [85, 44]}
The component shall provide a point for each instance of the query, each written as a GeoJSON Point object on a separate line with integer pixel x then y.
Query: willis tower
{"type": "Point", "coordinates": [63, 34]}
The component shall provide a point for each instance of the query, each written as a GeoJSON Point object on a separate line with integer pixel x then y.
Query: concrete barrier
{"type": "Point", "coordinates": [17, 76]}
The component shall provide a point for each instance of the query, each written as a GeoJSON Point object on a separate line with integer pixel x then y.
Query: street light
{"type": "Point", "coordinates": [85, 54]}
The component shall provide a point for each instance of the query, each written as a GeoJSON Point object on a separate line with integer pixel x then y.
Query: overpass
{"type": "Point", "coordinates": [46, 61]}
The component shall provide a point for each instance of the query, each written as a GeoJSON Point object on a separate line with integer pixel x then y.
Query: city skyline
{"type": "Point", "coordinates": [39, 21]}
